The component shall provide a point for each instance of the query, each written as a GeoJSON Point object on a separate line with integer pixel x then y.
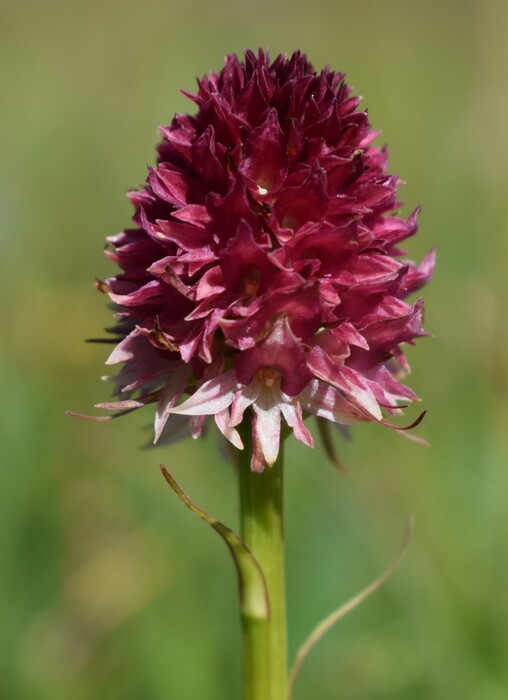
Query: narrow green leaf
{"type": "Point", "coordinates": [341, 612]}
{"type": "Point", "coordinates": [254, 601]}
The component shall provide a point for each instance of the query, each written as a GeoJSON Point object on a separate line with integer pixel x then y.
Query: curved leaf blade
{"type": "Point", "coordinates": [254, 602]}
{"type": "Point", "coordinates": [323, 627]}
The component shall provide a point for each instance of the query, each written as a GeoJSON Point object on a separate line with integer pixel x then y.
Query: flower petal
{"type": "Point", "coordinates": [325, 401]}
{"type": "Point", "coordinates": [222, 420]}
{"type": "Point", "coordinates": [267, 424]}
{"type": "Point", "coordinates": [196, 425]}
{"type": "Point", "coordinates": [243, 399]}
{"type": "Point", "coordinates": [173, 389]}
{"type": "Point", "coordinates": [213, 396]}
{"type": "Point", "coordinates": [345, 379]}
{"type": "Point", "coordinates": [292, 412]}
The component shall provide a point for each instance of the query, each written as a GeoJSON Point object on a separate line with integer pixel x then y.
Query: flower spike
{"type": "Point", "coordinates": [262, 279]}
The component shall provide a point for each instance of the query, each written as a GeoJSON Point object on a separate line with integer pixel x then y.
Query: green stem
{"type": "Point", "coordinates": [264, 639]}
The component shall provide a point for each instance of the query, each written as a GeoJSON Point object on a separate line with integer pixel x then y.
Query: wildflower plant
{"type": "Point", "coordinates": [262, 281]}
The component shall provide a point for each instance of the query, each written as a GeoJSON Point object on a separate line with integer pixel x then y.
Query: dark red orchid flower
{"type": "Point", "coordinates": [262, 279]}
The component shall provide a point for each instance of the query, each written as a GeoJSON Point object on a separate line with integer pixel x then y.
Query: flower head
{"type": "Point", "coordinates": [262, 279]}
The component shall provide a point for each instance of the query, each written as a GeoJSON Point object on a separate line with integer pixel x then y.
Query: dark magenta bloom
{"type": "Point", "coordinates": [263, 276]}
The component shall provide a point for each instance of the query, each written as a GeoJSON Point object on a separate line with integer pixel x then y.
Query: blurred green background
{"type": "Point", "coordinates": [109, 588]}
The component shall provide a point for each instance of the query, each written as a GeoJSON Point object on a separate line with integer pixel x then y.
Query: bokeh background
{"type": "Point", "coordinates": [109, 588]}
